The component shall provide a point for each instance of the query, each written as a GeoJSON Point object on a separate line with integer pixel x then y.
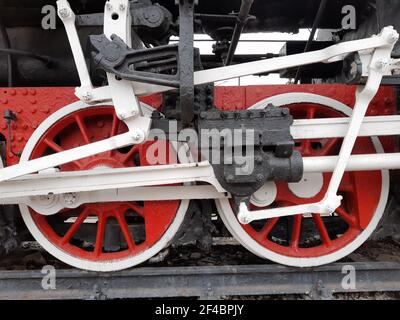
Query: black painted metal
{"type": "Point", "coordinates": [242, 19]}
{"type": "Point", "coordinates": [316, 24]}
{"type": "Point", "coordinates": [257, 147]}
{"type": "Point", "coordinates": [202, 282]}
{"type": "Point", "coordinates": [186, 61]}
{"type": "Point", "coordinates": [154, 65]}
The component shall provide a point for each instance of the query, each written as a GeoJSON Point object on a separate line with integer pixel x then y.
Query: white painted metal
{"type": "Point", "coordinates": [371, 162]}
{"type": "Point", "coordinates": [337, 127]}
{"type": "Point", "coordinates": [236, 229]}
{"type": "Point", "coordinates": [264, 196]}
{"type": "Point", "coordinates": [109, 179]}
{"type": "Point", "coordinates": [310, 185]}
{"type": "Point", "coordinates": [84, 92]}
{"type": "Point", "coordinates": [103, 179]}
{"type": "Point", "coordinates": [118, 21]}
{"type": "Point", "coordinates": [54, 203]}
{"type": "Point", "coordinates": [123, 96]}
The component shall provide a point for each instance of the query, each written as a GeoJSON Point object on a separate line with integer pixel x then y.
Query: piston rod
{"type": "Point", "coordinates": [370, 162]}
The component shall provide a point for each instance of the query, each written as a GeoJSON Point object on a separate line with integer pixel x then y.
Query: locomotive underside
{"type": "Point", "coordinates": [116, 141]}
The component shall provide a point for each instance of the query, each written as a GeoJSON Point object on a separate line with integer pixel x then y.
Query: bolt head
{"type": "Point", "coordinates": [64, 13]}
{"type": "Point", "coordinates": [87, 96]}
{"type": "Point", "coordinates": [69, 199]}
{"type": "Point", "coordinates": [393, 37]}
{"type": "Point", "coordinates": [109, 6]}
{"type": "Point", "coordinates": [260, 178]}
{"type": "Point", "coordinates": [138, 136]}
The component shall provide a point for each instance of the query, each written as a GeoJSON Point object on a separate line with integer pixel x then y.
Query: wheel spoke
{"type": "Point", "coordinates": [114, 130]}
{"type": "Point", "coordinates": [115, 125]}
{"type": "Point", "coordinates": [75, 226]}
{"type": "Point", "coordinates": [350, 220]}
{"type": "Point", "coordinates": [269, 226]}
{"type": "Point", "coordinates": [322, 229]}
{"type": "Point", "coordinates": [129, 155]}
{"type": "Point", "coordinates": [135, 207]}
{"type": "Point", "coordinates": [306, 147]}
{"type": "Point", "coordinates": [327, 148]}
{"type": "Point", "coordinates": [311, 112]}
{"type": "Point", "coordinates": [55, 147]}
{"type": "Point", "coordinates": [125, 231]}
{"type": "Point", "coordinates": [82, 128]}
{"type": "Point", "coordinates": [294, 244]}
{"type": "Point", "coordinates": [101, 228]}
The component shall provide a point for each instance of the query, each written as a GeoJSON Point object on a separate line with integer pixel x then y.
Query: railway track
{"type": "Point", "coordinates": [209, 282]}
{"type": "Point", "coordinates": [376, 268]}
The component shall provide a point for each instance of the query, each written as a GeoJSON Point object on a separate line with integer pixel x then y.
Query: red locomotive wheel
{"type": "Point", "coordinates": [101, 236]}
{"type": "Point", "coordinates": [309, 240]}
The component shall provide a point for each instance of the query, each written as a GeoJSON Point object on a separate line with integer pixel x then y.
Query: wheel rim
{"type": "Point", "coordinates": [85, 237]}
{"type": "Point", "coordinates": [285, 240]}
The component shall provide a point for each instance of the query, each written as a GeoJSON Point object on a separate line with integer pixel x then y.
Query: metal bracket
{"type": "Point", "coordinates": [145, 65]}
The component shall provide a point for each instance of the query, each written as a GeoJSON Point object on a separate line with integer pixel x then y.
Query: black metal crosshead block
{"type": "Point", "coordinates": [265, 133]}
